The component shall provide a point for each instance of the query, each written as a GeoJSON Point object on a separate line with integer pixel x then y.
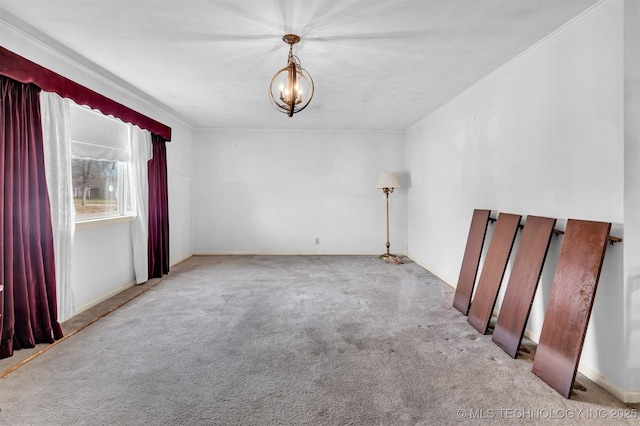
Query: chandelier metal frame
{"type": "Point", "coordinates": [289, 100]}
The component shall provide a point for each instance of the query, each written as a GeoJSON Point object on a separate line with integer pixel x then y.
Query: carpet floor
{"type": "Point", "coordinates": [290, 340]}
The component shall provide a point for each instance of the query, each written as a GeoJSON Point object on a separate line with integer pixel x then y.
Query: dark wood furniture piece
{"type": "Point", "coordinates": [493, 270]}
{"type": "Point", "coordinates": [570, 303]}
{"type": "Point", "coordinates": [471, 260]}
{"type": "Point", "coordinates": [523, 282]}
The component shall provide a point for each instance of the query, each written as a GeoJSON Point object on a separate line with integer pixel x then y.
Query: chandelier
{"type": "Point", "coordinates": [293, 83]}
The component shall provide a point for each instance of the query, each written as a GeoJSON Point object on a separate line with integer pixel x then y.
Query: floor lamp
{"type": "Point", "coordinates": [388, 181]}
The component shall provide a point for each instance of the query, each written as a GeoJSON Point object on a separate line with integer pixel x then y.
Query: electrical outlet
{"type": "Point", "coordinates": [317, 241]}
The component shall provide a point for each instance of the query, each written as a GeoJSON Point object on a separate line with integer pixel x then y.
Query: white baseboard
{"type": "Point", "coordinates": [535, 337]}
{"type": "Point", "coordinates": [628, 397]}
{"type": "Point", "coordinates": [426, 267]}
{"type": "Point", "coordinates": [117, 291]}
{"type": "Point", "coordinates": [181, 259]}
{"type": "Point", "coordinates": [102, 299]}
{"type": "Point", "coordinates": [631, 397]}
{"type": "Point", "coordinates": [280, 253]}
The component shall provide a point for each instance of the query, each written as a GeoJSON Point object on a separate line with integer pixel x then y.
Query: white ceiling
{"type": "Point", "coordinates": [380, 65]}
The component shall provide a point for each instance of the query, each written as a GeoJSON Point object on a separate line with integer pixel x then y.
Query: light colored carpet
{"type": "Point", "coordinates": [288, 340]}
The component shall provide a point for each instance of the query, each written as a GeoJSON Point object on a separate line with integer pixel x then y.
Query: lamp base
{"type": "Point", "coordinates": [391, 259]}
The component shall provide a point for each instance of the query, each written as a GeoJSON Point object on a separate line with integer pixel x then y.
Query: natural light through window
{"type": "Point", "coordinates": [99, 188]}
{"type": "Point", "coordinates": [99, 165]}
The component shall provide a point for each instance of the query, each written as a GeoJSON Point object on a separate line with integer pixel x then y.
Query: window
{"type": "Point", "coordinates": [100, 188]}
{"type": "Point", "coordinates": [99, 164]}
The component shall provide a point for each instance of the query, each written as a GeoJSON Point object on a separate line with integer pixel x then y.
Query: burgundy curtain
{"type": "Point", "coordinates": [28, 306]}
{"type": "Point", "coordinates": [158, 210]}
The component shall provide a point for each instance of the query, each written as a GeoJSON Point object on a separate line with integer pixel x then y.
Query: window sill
{"type": "Point", "coordinates": [103, 221]}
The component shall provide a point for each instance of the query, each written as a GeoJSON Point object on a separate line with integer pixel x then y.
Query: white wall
{"type": "Point", "coordinates": [102, 259]}
{"type": "Point", "coordinates": [631, 357]}
{"type": "Point", "coordinates": [180, 187]}
{"type": "Point", "coordinates": [101, 269]}
{"type": "Point", "coordinates": [543, 135]}
{"type": "Point", "coordinates": [264, 191]}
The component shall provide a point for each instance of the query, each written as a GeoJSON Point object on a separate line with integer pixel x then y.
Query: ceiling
{"type": "Point", "coordinates": [379, 65]}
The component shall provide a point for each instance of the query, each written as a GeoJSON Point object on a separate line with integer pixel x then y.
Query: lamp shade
{"type": "Point", "coordinates": [387, 180]}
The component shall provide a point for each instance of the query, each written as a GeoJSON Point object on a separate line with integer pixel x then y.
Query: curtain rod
{"type": "Point", "coordinates": [23, 70]}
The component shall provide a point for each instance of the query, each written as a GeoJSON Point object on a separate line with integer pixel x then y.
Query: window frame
{"type": "Point", "coordinates": [100, 125]}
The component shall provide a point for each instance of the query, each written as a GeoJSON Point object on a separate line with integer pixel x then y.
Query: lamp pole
{"type": "Point", "coordinates": [387, 191]}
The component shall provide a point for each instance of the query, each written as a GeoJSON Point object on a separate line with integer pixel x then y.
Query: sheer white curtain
{"type": "Point", "coordinates": [141, 153]}
{"type": "Point", "coordinates": [57, 162]}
